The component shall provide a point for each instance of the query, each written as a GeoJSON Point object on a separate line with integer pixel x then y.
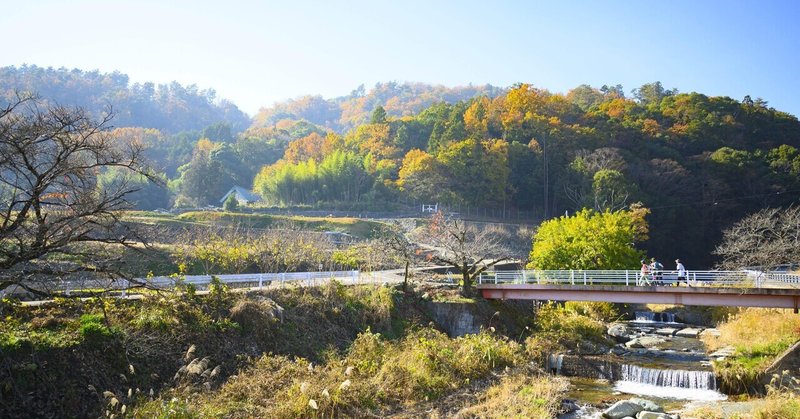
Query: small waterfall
{"type": "Point", "coordinates": [677, 384]}
{"type": "Point", "coordinates": [554, 363]}
{"type": "Point", "coordinates": [702, 380]}
{"type": "Point", "coordinates": [649, 316]}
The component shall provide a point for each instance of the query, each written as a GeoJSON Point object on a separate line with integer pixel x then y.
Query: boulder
{"type": "Point", "coordinates": [619, 331]}
{"type": "Point", "coordinates": [622, 409]}
{"type": "Point", "coordinates": [689, 332]}
{"type": "Point", "coordinates": [652, 415]}
{"type": "Point", "coordinates": [647, 405]}
{"type": "Point", "coordinates": [644, 342]}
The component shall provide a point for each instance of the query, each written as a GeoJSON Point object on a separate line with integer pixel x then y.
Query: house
{"type": "Point", "coordinates": [242, 195]}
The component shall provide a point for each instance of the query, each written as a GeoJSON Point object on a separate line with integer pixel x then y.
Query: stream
{"type": "Point", "coordinates": [656, 358]}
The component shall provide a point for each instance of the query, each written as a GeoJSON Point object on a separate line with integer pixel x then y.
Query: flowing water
{"type": "Point", "coordinates": [672, 374]}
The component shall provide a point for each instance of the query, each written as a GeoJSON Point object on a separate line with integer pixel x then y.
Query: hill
{"type": "Point", "coordinates": [343, 113]}
{"type": "Point", "coordinates": [167, 107]}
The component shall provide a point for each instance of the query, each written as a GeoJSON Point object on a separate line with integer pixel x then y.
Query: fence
{"type": "Point", "coordinates": [742, 279]}
{"type": "Point", "coordinates": [252, 280]}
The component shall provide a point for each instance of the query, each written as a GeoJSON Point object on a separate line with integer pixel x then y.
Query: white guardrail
{"type": "Point", "coordinates": [251, 280]}
{"type": "Point", "coordinates": [743, 279]}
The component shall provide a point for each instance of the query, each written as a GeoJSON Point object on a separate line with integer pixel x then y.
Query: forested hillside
{"type": "Point", "coordinates": [343, 113]}
{"type": "Point", "coordinates": [168, 107]}
{"type": "Point", "coordinates": [698, 163]}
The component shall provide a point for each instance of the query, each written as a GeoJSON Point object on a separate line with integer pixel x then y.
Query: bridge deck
{"type": "Point", "coordinates": [699, 296]}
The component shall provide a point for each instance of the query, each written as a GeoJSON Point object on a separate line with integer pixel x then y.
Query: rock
{"type": "Point", "coordinates": [619, 331]}
{"type": "Point", "coordinates": [644, 342]}
{"type": "Point", "coordinates": [618, 350]}
{"type": "Point", "coordinates": [621, 409]}
{"type": "Point", "coordinates": [647, 405]}
{"type": "Point", "coordinates": [723, 352]}
{"type": "Point", "coordinates": [689, 332]}
{"type": "Point", "coordinates": [666, 331]}
{"type": "Point", "coordinates": [652, 415]}
{"type": "Point", "coordinates": [710, 332]}
{"type": "Point", "coordinates": [568, 406]}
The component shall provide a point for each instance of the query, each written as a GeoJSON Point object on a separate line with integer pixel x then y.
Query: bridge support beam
{"type": "Point", "coordinates": [690, 296]}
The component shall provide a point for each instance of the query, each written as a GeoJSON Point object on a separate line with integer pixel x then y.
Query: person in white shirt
{"type": "Point", "coordinates": [681, 272]}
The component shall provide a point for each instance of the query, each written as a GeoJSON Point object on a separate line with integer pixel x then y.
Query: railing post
{"type": "Point", "coordinates": [626, 278]}
{"type": "Point", "coordinates": [584, 277]}
{"type": "Point", "coordinates": [495, 277]}
{"type": "Point", "coordinates": [524, 277]}
{"type": "Point", "coordinates": [260, 281]}
{"type": "Point", "coordinates": [572, 277]}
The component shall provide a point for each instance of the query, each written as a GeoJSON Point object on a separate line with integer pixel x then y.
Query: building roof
{"type": "Point", "coordinates": [242, 194]}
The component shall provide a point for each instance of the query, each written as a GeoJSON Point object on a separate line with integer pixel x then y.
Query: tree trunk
{"type": "Point", "coordinates": [466, 286]}
{"type": "Point", "coordinates": [405, 278]}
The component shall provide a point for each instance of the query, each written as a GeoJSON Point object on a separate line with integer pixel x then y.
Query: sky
{"type": "Point", "coordinates": [256, 53]}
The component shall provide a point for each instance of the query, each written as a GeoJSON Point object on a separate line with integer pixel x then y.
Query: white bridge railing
{"type": "Point", "coordinates": [743, 279]}
{"type": "Point", "coordinates": [250, 280]}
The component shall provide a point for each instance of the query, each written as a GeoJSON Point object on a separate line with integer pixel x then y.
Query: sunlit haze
{"type": "Point", "coordinates": [256, 53]}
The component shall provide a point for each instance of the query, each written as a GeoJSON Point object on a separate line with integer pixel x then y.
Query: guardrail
{"type": "Point", "coordinates": [250, 280]}
{"type": "Point", "coordinates": [741, 279]}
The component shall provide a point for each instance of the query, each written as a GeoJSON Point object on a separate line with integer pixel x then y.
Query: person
{"type": "Point", "coordinates": [656, 267]}
{"type": "Point", "coordinates": [644, 278]}
{"type": "Point", "coordinates": [681, 272]}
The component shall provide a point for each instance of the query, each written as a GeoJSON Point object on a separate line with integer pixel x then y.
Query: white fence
{"type": "Point", "coordinates": [743, 279]}
{"type": "Point", "coordinates": [253, 280]}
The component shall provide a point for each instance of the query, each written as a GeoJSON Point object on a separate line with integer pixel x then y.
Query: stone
{"type": "Point", "coordinates": [621, 409]}
{"type": "Point", "coordinates": [723, 352]}
{"type": "Point", "coordinates": [710, 332]}
{"type": "Point", "coordinates": [647, 405]}
{"type": "Point", "coordinates": [689, 332]}
{"type": "Point", "coordinates": [652, 415]}
{"type": "Point", "coordinates": [619, 331]}
{"type": "Point", "coordinates": [666, 331]}
{"type": "Point", "coordinates": [644, 342]}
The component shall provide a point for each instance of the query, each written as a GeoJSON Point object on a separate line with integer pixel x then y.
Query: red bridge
{"type": "Point", "coordinates": [700, 288]}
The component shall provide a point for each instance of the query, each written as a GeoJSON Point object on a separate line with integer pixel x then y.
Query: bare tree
{"type": "Point", "coordinates": [401, 250]}
{"type": "Point", "coordinates": [766, 239]}
{"type": "Point", "coordinates": [51, 210]}
{"type": "Point", "coordinates": [465, 247]}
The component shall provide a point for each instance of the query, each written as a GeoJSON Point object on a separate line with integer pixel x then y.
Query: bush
{"type": "Point", "coordinates": [602, 311]}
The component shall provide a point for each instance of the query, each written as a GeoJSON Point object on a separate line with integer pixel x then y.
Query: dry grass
{"type": "Point", "coordinates": [759, 335]}
{"type": "Point", "coordinates": [520, 396]}
{"type": "Point", "coordinates": [376, 377]}
{"type": "Point", "coordinates": [757, 331]}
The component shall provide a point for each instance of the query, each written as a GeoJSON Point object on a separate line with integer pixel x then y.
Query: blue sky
{"type": "Point", "coordinates": [258, 52]}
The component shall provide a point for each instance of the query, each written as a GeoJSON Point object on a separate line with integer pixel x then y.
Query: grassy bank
{"type": "Point", "coordinates": [759, 336]}
{"type": "Point", "coordinates": [333, 350]}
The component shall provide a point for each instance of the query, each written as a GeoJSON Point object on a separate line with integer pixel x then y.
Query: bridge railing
{"type": "Point", "coordinates": [250, 280]}
{"type": "Point", "coordinates": [739, 279]}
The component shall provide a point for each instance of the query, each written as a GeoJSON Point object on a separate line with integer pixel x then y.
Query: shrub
{"type": "Point", "coordinates": [596, 310]}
